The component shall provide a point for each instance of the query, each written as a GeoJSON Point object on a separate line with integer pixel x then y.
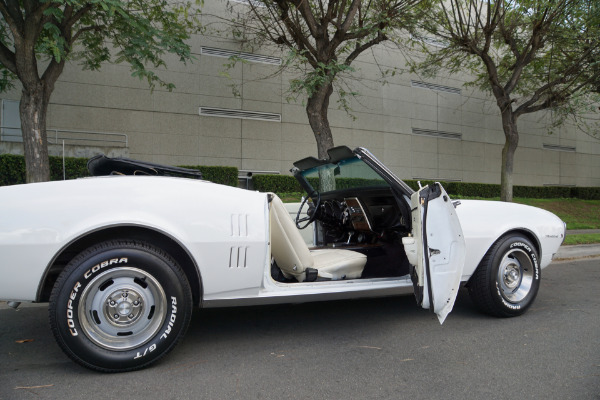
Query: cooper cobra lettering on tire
{"type": "Point", "coordinates": [507, 280]}
{"type": "Point", "coordinates": [120, 306]}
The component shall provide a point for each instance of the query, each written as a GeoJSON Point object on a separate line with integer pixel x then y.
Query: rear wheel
{"type": "Point", "coordinates": [507, 280]}
{"type": "Point", "coordinates": [120, 306]}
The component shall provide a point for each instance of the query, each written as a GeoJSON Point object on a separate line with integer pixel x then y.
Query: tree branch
{"type": "Point", "coordinates": [359, 49]}
{"type": "Point", "coordinates": [7, 58]}
{"type": "Point", "coordinates": [96, 28]}
{"type": "Point", "coordinates": [304, 7]}
{"type": "Point", "coordinates": [11, 12]}
{"type": "Point", "coordinates": [74, 18]}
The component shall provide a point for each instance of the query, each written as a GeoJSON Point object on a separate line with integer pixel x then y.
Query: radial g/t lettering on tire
{"type": "Point", "coordinates": [119, 306]}
{"type": "Point", "coordinates": [507, 279]}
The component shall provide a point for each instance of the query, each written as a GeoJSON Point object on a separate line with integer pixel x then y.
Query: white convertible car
{"type": "Point", "coordinates": [123, 259]}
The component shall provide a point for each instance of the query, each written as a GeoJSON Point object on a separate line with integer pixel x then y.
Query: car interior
{"type": "Point", "coordinates": [358, 235]}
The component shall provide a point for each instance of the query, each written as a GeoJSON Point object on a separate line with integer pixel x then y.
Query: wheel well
{"type": "Point", "coordinates": [158, 239]}
{"type": "Point", "coordinates": [529, 235]}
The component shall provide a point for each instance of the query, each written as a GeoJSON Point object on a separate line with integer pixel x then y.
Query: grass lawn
{"type": "Point", "coordinates": [577, 213]}
{"type": "Point", "coordinates": [586, 238]}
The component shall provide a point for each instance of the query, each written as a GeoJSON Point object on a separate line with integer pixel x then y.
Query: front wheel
{"type": "Point", "coordinates": [507, 280]}
{"type": "Point", "coordinates": [119, 306]}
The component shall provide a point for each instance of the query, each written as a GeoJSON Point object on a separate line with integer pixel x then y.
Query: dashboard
{"type": "Point", "coordinates": [361, 215]}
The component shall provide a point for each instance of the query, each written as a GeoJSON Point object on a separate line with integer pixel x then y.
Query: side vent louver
{"type": "Point", "coordinates": [440, 134]}
{"type": "Point", "coordinates": [555, 147]}
{"type": "Point", "coordinates": [239, 228]}
{"type": "Point", "coordinates": [437, 88]}
{"type": "Point", "coordinates": [237, 257]}
{"type": "Point", "coordinates": [239, 225]}
{"type": "Point", "coordinates": [228, 113]}
{"type": "Point", "coordinates": [258, 58]}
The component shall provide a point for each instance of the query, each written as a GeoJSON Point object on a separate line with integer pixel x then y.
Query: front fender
{"type": "Point", "coordinates": [484, 222]}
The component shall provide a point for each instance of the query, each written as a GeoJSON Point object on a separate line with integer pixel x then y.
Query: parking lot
{"type": "Point", "coordinates": [362, 349]}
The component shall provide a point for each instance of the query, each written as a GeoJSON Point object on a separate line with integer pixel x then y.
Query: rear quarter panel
{"type": "Point", "coordinates": [222, 228]}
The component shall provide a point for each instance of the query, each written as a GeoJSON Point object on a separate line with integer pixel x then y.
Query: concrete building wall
{"type": "Point", "coordinates": [444, 132]}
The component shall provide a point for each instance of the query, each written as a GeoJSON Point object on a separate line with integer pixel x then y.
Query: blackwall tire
{"type": "Point", "coordinates": [119, 306]}
{"type": "Point", "coordinates": [507, 280]}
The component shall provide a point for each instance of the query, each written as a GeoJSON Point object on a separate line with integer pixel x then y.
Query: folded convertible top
{"type": "Point", "coordinates": [101, 165]}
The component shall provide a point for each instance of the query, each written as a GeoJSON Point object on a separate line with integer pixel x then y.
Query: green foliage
{"type": "Point", "coordinates": [287, 184]}
{"type": "Point", "coordinates": [533, 54]}
{"type": "Point", "coordinates": [12, 170]}
{"type": "Point", "coordinates": [292, 197]}
{"type": "Point", "coordinates": [486, 190]}
{"type": "Point", "coordinates": [38, 37]}
{"type": "Point", "coordinates": [276, 183]}
{"type": "Point", "coordinates": [586, 193]}
{"type": "Point", "coordinates": [321, 40]}
{"type": "Point", "coordinates": [223, 175]}
{"type": "Point", "coordinates": [74, 168]}
{"type": "Point", "coordinates": [586, 238]}
{"type": "Point", "coordinates": [542, 192]}
{"type": "Point", "coordinates": [138, 32]}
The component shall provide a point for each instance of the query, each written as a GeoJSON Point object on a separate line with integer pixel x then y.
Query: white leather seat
{"type": "Point", "coordinates": [293, 256]}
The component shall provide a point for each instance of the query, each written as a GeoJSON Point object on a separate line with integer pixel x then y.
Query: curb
{"type": "Point", "coordinates": [578, 251]}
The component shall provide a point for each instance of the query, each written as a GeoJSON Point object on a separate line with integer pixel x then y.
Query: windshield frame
{"type": "Point", "coordinates": [343, 153]}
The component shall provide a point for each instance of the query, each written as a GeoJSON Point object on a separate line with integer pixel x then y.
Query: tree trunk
{"type": "Point", "coordinates": [511, 134]}
{"type": "Point", "coordinates": [316, 109]}
{"type": "Point", "coordinates": [33, 107]}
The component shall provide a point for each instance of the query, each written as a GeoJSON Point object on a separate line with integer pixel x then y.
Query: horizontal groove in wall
{"type": "Point", "coordinates": [437, 88]}
{"type": "Point", "coordinates": [440, 134]}
{"type": "Point", "coordinates": [429, 40]}
{"type": "Point", "coordinates": [255, 3]}
{"type": "Point", "coordinates": [258, 58]}
{"type": "Point", "coordinates": [556, 147]}
{"type": "Point", "coordinates": [228, 113]}
{"type": "Point", "coordinates": [436, 179]}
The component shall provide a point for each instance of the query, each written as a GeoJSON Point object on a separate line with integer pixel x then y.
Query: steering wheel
{"type": "Point", "coordinates": [310, 217]}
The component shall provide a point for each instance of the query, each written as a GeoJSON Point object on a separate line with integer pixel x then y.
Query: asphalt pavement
{"type": "Point", "coordinates": [384, 348]}
{"type": "Point", "coordinates": [373, 348]}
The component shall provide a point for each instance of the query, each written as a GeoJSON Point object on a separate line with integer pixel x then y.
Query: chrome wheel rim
{"type": "Point", "coordinates": [515, 275]}
{"type": "Point", "coordinates": [122, 308]}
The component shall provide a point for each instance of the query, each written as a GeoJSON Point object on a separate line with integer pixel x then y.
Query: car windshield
{"type": "Point", "coordinates": [346, 174]}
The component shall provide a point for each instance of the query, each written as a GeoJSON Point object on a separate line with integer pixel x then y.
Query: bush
{"type": "Point", "coordinates": [487, 190]}
{"type": "Point", "coordinates": [542, 192]}
{"type": "Point", "coordinates": [74, 168]}
{"type": "Point", "coordinates": [223, 175]}
{"type": "Point", "coordinates": [586, 193]}
{"type": "Point", "coordinates": [467, 189]}
{"type": "Point", "coordinates": [12, 170]}
{"type": "Point", "coordinates": [276, 183]}
{"type": "Point", "coordinates": [286, 183]}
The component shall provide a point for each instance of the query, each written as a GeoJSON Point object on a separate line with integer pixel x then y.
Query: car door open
{"type": "Point", "coordinates": [436, 250]}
